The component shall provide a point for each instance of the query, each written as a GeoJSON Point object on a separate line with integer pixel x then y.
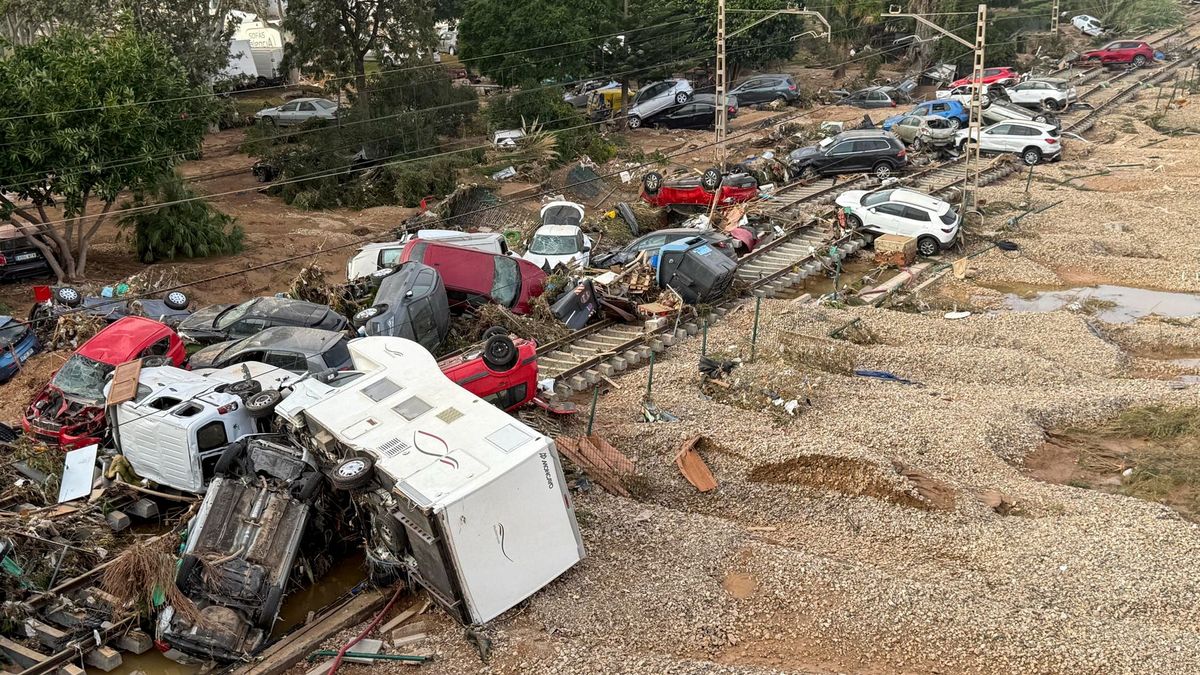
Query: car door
{"type": "Point", "coordinates": [246, 328]}
{"type": "Point", "coordinates": [287, 113]}
{"type": "Point", "coordinates": [306, 111]}
{"type": "Point", "coordinates": [915, 221]}
{"type": "Point", "coordinates": [878, 99]}
{"type": "Point", "coordinates": [887, 218]}
{"type": "Point", "coordinates": [286, 360]}
{"type": "Point", "coordinates": [702, 115]}
{"type": "Point", "coordinates": [839, 158]}
{"type": "Point", "coordinates": [993, 139]}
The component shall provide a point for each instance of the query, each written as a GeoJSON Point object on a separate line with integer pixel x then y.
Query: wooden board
{"type": "Point", "coordinates": [591, 458]}
{"type": "Point", "coordinates": [693, 468]}
{"type": "Point", "coordinates": [125, 382]}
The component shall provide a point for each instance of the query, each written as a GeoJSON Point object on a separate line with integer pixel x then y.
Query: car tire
{"type": "Point", "coordinates": [1031, 156]}
{"type": "Point", "coordinates": [362, 316]}
{"type": "Point", "coordinates": [652, 182]}
{"type": "Point", "coordinates": [268, 120]}
{"type": "Point", "coordinates": [1139, 61]}
{"type": "Point", "coordinates": [634, 122]}
{"type": "Point", "coordinates": [1052, 104]}
{"type": "Point", "coordinates": [493, 331]}
{"type": "Point", "coordinates": [918, 145]}
{"type": "Point", "coordinates": [243, 388]}
{"type": "Point", "coordinates": [882, 170]}
{"type": "Point", "coordinates": [710, 180]}
{"type": "Point", "coordinates": [352, 473]}
{"type": "Point", "coordinates": [853, 221]}
{"type": "Point", "coordinates": [1041, 118]}
{"type": "Point", "coordinates": [682, 97]}
{"type": "Point", "coordinates": [227, 462]}
{"type": "Point", "coordinates": [263, 403]}
{"type": "Point", "coordinates": [955, 123]}
{"type": "Point", "coordinates": [177, 300]}
{"type": "Point", "coordinates": [807, 173]}
{"type": "Point", "coordinates": [928, 246]}
{"type": "Point", "coordinates": [500, 353]}
{"type": "Point", "coordinates": [305, 488]}
{"type": "Point", "coordinates": [187, 565]}
{"type": "Point", "coordinates": [67, 295]}
{"type": "Point", "coordinates": [780, 101]}
{"type": "Point", "coordinates": [269, 611]}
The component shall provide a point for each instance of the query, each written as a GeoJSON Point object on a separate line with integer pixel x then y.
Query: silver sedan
{"type": "Point", "coordinates": [298, 111]}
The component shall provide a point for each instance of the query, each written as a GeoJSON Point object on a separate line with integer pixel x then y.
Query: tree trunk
{"type": "Point", "coordinates": [85, 241]}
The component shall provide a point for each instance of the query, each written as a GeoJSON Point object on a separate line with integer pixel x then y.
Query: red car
{"type": "Point", "coordinates": [69, 411]}
{"type": "Point", "coordinates": [1131, 52]}
{"type": "Point", "coordinates": [471, 275]}
{"type": "Point", "coordinates": [503, 372]}
{"type": "Point", "coordinates": [1003, 76]}
{"type": "Point", "coordinates": [698, 192]}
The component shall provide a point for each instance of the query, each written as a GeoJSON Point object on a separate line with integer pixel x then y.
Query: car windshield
{"type": "Point", "coordinates": [554, 244]}
{"type": "Point", "coordinates": [11, 333]}
{"type": "Point", "coordinates": [825, 143]}
{"type": "Point", "coordinates": [322, 103]}
{"type": "Point", "coordinates": [877, 198]}
{"type": "Point", "coordinates": [232, 314]}
{"type": "Point", "coordinates": [82, 378]}
{"type": "Point", "coordinates": [506, 284]}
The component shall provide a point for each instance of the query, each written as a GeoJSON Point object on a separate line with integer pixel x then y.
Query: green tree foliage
{"type": "Point", "coordinates": [117, 113]}
{"type": "Point", "coordinates": [183, 227]}
{"type": "Point", "coordinates": [545, 107]}
{"type": "Point", "coordinates": [336, 37]}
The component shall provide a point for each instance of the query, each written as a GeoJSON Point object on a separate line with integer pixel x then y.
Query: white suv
{"type": "Point", "coordinates": [931, 221]}
{"type": "Point", "coordinates": [1033, 141]}
{"type": "Point", "coordinates": [656, 98]}
{"type": "Point", "coordinates": [1053, 95]}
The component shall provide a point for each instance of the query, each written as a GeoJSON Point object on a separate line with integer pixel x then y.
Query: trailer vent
{"type": "Point", "coordinates": [377, 391]}
{"type": "Point", "coordinates": [449, 415]}
{"type": "Point", "coordinates": [393, 447]}
{"type": "Point", "coordinates": [411, 408]}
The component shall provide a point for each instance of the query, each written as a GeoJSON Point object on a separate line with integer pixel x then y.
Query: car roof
{"type": "Point", "coordinates": [865, 133]}
{"type": "Point", "coordinates": [308, 98]}
{"type": "Point", "coordinates": [1027, 123]}
{"type": "Point", "coordinates": [295, 338]}
{"type": "Point", "coordinates": [121, 340]}
{"type": "Point", "coordinates": [290, 309]}
{"type": "Point", "coordinates": [914, 198]}
{"type": "Point", "coordinates": [937, 100]}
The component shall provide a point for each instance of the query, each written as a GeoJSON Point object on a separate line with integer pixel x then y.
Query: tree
{"type": "Point", "coordinates": [184, 227]}
{"type": "Point", "coordinates": [117, 114]}
{"type": "Point", "coordinates": [198, 32]}
{"type": "Point", "coordinates": [516, 41]}
{"type": "Point", "coordinates": [336, 36]}
{"type": "Point", "coordinates": [25, 21]}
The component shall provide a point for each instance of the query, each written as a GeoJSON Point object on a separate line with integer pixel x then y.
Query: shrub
{"type": "Point", "coordinates": [191, 229]}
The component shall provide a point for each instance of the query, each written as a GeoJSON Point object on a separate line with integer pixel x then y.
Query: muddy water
{"type": "Point", "coordinates": [345, 575]}
{"type": "Point", "coordinates": [1113, 304]}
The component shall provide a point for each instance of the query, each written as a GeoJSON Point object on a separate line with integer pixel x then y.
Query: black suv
{"type": "Point", "coordinates": [766, 89]}
{"type": "Point", "coordinates": [857, 151]}
{"type": "Point", "coordinates": [18, 258]}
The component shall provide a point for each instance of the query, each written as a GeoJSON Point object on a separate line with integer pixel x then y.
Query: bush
{"type": "Point", "coordinates": [191, 229]}
{"type": "Point", "coordinates": [546, 107]}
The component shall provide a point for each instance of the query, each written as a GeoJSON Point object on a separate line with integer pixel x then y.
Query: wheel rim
{"type": "Point", "coordinates": [651, 183]}
{"type": "Point", "coordinates": [928, 248]}
{"type": "Point", "coordinates": [681, 97]}
{"type": "Point", "coordinates": [634, 123]}
{"type": "Point", "coordinates": [351, 468]}
{"type": "Point", "coordinates": [177, 298]}
{"type": "Point", "coordinates": [261, 399]}
{"type": "Point", "coordinates": [955, 123]}
{"type": "Point", "coordinates": [368, 313]}
{"type": "Point", "coordinates": [68, 294]}
{"type": "Point", "coordinates": [1031, 158]}
{"type": "Point", "coordinates": [883, 171]}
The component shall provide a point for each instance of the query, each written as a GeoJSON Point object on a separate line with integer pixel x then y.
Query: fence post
{"type": "Point", "coordinates": [592, 415]}
{"type": "Point", "coordinates": [754, 333]}
{"type": "Point", "coordinates": [650, 379]}
{"type": "Point", "coordinates": [704, 340]}
{"type": "Point", "coordinates": [1029, 179]}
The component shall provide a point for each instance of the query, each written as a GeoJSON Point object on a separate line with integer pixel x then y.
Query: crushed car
{"type": "Point", "coordinates": [474, 277]}
{"type": "Point", "coordinates": [220, 323]}
{"type": "Point", "coordinates": [18, 342]}
{"type": "Point", "coordinates": [462, 499]}
{"type": "Point", "coordinates": [376, 256]}
{"type": "Point", "coordinates": [560, 239]}
{"type": "Point", "coordinates": [299, 350]}
{"type": "Point", "coordinates": [409, 301]}
{"type": "Point", "coordinates": [69, 411]}
{"type": "Point", "coordinates": [695, 194]}
{"type": "Point", "coordinates": [51, 303]}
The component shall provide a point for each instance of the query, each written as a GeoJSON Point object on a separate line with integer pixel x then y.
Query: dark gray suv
{"type": "Point", "coordinates": [766, 89]}
{"type": "Point", "coordinates": [858, 151]}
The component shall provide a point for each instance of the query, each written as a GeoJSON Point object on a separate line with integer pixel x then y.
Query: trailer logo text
{"type": "Point", "coordinates": [546, 470]}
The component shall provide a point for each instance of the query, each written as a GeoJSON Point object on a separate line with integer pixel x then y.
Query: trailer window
{"type": "Point", "coordinates": [211, 436]}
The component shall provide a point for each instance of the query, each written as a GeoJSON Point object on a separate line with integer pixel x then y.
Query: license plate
{"type": "Point", "coordinates": [25, 256]}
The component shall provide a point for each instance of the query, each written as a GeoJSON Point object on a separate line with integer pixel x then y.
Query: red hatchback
{"type": "Point", "coordinates": [503, 372]}
{"type": "Point", "coordinates": [692, 192]}
{"type": "Point", "coordinates": [472, 275]}
{"type": "Point", "coordinates": [1131, 52]}
{"type": "Point", "coordinates": [69, 411]}
{"type": "Point", "coordinates": [1003, 76]}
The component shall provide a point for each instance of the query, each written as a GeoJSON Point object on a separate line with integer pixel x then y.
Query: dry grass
{"type": "Point", "coordinates": [145, 570]}
{"type": "Point", "coordinates": [1156, 423]}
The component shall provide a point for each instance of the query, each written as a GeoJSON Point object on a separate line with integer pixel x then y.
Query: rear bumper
{"type": "Point", "coordinates": [24, 270]}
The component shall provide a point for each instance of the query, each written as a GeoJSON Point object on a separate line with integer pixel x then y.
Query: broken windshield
{"type": "Point", "coordinates": [11, 333]}
{"type": "Point", "coordinates": [554, 244]}
{"type": "Point", "coordinates": [232, 314]}
{"type": "Point", "coordinates": [82, 378]}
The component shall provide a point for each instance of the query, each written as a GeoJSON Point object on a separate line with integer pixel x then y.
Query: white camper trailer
{"type": "Point", "coordinates": [266, 46]}
{"type": "Point", "coordinates": [241, 61]}
{"type": "Point", "coordinates": [464, 499]}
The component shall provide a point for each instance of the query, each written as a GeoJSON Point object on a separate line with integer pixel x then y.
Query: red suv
{"type": "Point", "coordinates": [69, 411]}
{"type": "Point", "coordinates": [471, 275]}
{"type": "Point", "coordinates": [1123, 51]}
{"type": "Point", "coordinates": [1003, 76]}
{"type": "Point", "coordinates": [503, 372]}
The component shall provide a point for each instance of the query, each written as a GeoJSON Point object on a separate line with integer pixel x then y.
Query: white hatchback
{"type": "Point", "coordinates": [908, 213]}
{"type": "Point", "coordinates": [1033, 141]}
{"type": "Point", "coordinates": [1088, 25]}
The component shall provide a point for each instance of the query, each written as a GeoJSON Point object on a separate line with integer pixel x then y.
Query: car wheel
{"type": "Point", "coordinates": [634, 122]}
{"type": "Point", "coordinates": [493, 331]}
{"type": "Point", "coordinates": [177, 300]}
{"type": "Point", "coordinates": [882, 170]}
{"type": "Point", "coordinates": [382, 273]}
{"type": "Point", "coordinates": [227, 462]}
{"type": "Point", "coordinates": [1040, 118]}
{"type": "Point", "coordinates": [710, 180]}
{"type": "Point", "coordinates": [807, 173]}
{"type": "Point", "coordinates": [928, 246]}
{"type": "Point", "coordinates": [68, 296]}
{"type": "Point", "coordinates": [918, 145]}
{"type": "Point", "coordinates": [263, 403]}
{"type": "Point", "coordinates": [1031, 156]}
{"type": "Point", "coordinates": [1052, 104]}
{"type": "Point", "coordinates": [955, 123]}
{"type": "Point", "coordinates": [500, 353]}
{"type": "Point", "coordinates": [652, 182]}
{"type": "Point", "coordinates": [243, 388]}
{"type": "Point", "coordinates": [1139, 61]}
{"type": "Point", "coordinates": [187, 565]}
{"type": "Point", "coordinates": [780, 101]}
{"type": "Point", "coordinates": [352, 473]}
{"type": "Point", "coordinates": [268, 120]}
{"type": "Point", "coordinates": [365, 315]}
{"type": "Point", "coordinates": [682, 97]}
{"type": "Point", "coordinates": [269, 611]}
{"type": "Point", "coordinates": [854, 222]}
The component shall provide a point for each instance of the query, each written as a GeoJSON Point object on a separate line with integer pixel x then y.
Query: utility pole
{"type": "Point", "coordinates": [976, 112]}
{"type": "Point", "coordinates": [722, 73]}
{"type": "Point", "coordinates": [1054, 18]}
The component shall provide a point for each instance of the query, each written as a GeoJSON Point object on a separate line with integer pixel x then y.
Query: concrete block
{"type": "Point", "coordinates": [632, 357]}
{"type": "Point", "coordinates": [117, 521]}
{"type": "Point", "coordinates": [642, 351]}
{"type": "Point", "coordinates": [46, 635]}
{"type": "Point", "coordinates": [136, 641]}
{"type": "Point", "coordinates": [618, 363]}
{"type": "Point", "coordinates": [72, 669]}
{"type": "Point", "coordinates": [691, 328]}
{"type": "Point", "coordinates": [606, 369]}
{"type": "Point", "coordinates": [143, 508]}
{"type": "Point", "coordinates": [667, 339]}
{"type": "Point", "coordinates": [656, 323]}
{"type": "Point", "coordinates": [104, 658]}
{"type": "Point", "coordinates": [591, 376]}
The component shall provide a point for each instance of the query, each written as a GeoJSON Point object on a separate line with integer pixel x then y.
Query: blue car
{"type": "Point", "coordinates": [17, 341]}
{"type": "Point", "coordinates": [952, 110]}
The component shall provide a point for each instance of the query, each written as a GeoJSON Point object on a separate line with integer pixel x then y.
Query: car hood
{"type": "Point", "coordinates": [891, 122]}
{"type": "Point", "coordinates": [205, 358]}
{"type": "Point", "coordinates": [850, 198]}
{"type": "Point", "coordinates": [807, 152]}
{"type": "Point", "coordinates": [203, 320]}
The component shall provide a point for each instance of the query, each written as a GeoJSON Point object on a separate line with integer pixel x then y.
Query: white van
{"type": "Point", "coordinates": [468, 501]}
{"type": "Point", "coordinates": [376, 256]}
{"type": "Point", "coordinates": [180, 422]}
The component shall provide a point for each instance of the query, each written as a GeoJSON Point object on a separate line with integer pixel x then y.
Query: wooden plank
{"type": "Point", "coordinates": [125, 382]}
{"type": "Point", "coordinates": [20, 654]}
{"type": "Point", "coordinates": [292, 648]}
{"type": "Point", "coordinates": [693, 468]}
{"type": "Point", "coordinates": [571, 448]}
{"type": "Point", "coordinates": [70, 653]}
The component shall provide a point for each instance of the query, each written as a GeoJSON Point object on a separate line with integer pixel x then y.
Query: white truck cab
{"type": "Point", "coordinates": [175, 429]}
{"type": "Point", "coordinates": [463, 499]}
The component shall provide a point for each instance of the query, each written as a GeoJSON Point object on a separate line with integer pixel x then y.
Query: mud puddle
{"type": "Point", "coordinates": [1147, 453]}
{"type": "Point", "coordinates": [858, 477]}
{"type": "Point", "coordinates": [1113, 304]}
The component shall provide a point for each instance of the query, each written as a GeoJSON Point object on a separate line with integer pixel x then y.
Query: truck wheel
{"type": "Point", "coordinates": [652, 182]}
{"type": "Point", "coordinates": [711, 179]}
{"type": "Point", "coordinates": [177, 300]}
{"type": "Point", "coordinates": [187, 565]}
{"type": "Point", "coordinates": [269, 611]}
{"type": "Point", "coordinates": [68, 296]}
{"type": "Point", "coordinates": [228, 460]}
{"type": "Point", "coordinates": [352, 473]}
{"type": "Point", "coordinates": [243, 388]}
{"type": "Point", "coordinates": [500, 353]}
{"type": "Point", "coordinates": [263, 403]}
